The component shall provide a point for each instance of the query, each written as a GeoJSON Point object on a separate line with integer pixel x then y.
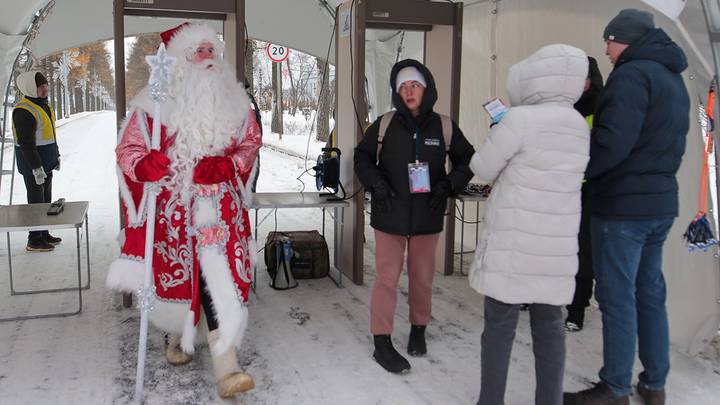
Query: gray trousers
{"type": "Point", "coordinates": [548, 335]}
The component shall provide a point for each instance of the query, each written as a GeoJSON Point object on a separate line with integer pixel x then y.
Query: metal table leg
{"type": "Point", "coordinates": [253, 284]}
{"type": "Point", "coordinates": [337, 282]}
{"type": "Point", "coordinates": [462, 236]}
{"type": "Point", "coordinates": [79, 287]}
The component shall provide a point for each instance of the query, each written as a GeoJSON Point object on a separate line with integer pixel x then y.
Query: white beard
{"type": "Point", "coordinates": [210, 109]}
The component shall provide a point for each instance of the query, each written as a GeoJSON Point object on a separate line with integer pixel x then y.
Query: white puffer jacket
{"type": "Point", "coordinates": [535, 159]}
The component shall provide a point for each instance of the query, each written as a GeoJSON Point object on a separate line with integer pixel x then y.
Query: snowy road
{"type": "Point", "coordinates": [310, 345]}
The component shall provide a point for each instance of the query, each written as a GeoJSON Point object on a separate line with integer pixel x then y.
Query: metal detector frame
{"type": "Point", "coordinates": [442, 25]}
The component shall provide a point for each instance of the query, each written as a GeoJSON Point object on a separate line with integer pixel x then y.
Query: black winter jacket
{"type": "Point", "coordinates": [638, 137]}
{"type": "Point", "coordinates": [410, 214]}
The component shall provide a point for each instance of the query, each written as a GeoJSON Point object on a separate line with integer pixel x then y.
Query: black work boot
{"type": "Point", "coordinates": [600, 394]}
{"type": "Point", "coordinates": [52, 240]}
{"type": "Point", "coordinates": [575, 320]}
{"type": "Point", "coordinates": [38, 245]}
{"type": "Point", "coordinates": [386, 355]}
{"type": "Point", "coordinates": [416, 343]}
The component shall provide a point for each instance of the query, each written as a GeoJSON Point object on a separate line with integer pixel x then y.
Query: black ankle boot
{"type": "Point", "coordinates": [416, 343]}
{"type": "Point", "coordinates": [386, 355]}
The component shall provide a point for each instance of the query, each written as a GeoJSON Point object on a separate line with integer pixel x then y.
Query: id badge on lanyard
{"type": "Point", "coordinates": [419, 173]}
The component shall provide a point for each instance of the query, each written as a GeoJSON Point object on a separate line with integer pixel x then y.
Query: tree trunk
{"type": "Point", "coordinates": [277, 113]}
{"type": "Point", "coordinates": [293, 90]}
{"type": "Point", "coordinates": [59, 100]}
{"type": "Point", "coordinates": [51, 83]}
{"type": "Point", "coordinates": [323, 105]}
{"type": "Point", "coordinates": [249, 59]}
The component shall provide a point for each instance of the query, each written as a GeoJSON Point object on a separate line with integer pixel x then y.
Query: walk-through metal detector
{"type": "Point", "coordinates": [442, 25]}
{"type": "Point", "coordinates": [230, 12]}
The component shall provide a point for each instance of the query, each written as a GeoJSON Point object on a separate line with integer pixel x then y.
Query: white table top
{"type": "Point", "coordinates": [33, 217]}
{"type": "Point", "coordinates": [294, 200]}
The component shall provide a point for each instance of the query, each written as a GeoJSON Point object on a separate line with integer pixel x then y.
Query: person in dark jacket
{"type": "Point", "coordinates": [584, 277]}
{"type": "Point", "coordinates": [637, 145]}
{"type": "Point", "coordinates": [36, 150]}
{"type": "Point", "coordinates": [414, 143]}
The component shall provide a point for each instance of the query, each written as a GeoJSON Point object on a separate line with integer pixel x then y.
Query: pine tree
{"type": "Point", "coordinates": [99, 63]}
{"type": "Point", "coordinates": [138, 72]}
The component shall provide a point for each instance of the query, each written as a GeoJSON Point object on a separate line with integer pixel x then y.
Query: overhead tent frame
{"type": "Point", "coordinates": [442, 27]}
{"type": "Point", "coordinates": [231, 12]}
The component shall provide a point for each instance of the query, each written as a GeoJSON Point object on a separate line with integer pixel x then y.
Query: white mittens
{"type": "Point", "coordinates": [40, 175]}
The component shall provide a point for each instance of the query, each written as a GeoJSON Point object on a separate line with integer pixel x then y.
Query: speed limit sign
{"type": "Point", "coordinates": [277, 53]}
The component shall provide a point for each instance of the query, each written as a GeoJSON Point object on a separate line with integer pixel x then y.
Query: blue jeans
{"type": "Point", "coordinates": [630, 288]}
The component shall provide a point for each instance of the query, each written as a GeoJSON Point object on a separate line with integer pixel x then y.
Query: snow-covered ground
{"type": "Point", "coordinates": [309, 345]}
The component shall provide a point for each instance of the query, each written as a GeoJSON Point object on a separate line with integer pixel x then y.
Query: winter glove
{"type": "Point", "coordinates": [381, 197]}
{"type": "Point", "coordinates": [40, 175]}
{"type": "Point", "coordinates": [152, 167]}
{"type": "Point", "coordinates": [439, 196]}
{"type": "Point", "coordinates": [213, 170]}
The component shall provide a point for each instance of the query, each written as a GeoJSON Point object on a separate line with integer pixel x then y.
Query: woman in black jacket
{"type": "Point", "coordinates": [408, 212]}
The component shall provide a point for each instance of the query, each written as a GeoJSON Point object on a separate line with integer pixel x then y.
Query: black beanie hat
{"type": "Point", "coordinates": [631, 24]}
{"type": "Point", "coordinates": [40, 79]}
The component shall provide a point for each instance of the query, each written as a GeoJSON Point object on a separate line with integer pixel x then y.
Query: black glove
{"type": "Point", "coordinates": [381, 197]}
{"type": "Point", "coordinates": [438, 199]}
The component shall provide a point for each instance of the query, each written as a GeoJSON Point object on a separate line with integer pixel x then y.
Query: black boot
{"type": "Point", "coordinates": [386, 355]}
{"type": "Point", "coordinates": [575, 320]}
{"type": "Point", "coordinates": [416, 343]}
{"type": "Point", "coordinates": [52, 240]}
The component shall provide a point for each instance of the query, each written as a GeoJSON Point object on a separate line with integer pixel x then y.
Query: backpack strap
{"type": "Point", "coordinates": [446, 130]}
{"type": "Point", "coordinates": [384, 123]}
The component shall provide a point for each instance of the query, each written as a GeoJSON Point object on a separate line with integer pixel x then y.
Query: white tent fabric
{"type": "Point", "coordinates": [671, 8]}
{"type": "Point", "coordinates": [9, 47]}
{"type": "Point", "coordinates": [524, 26]}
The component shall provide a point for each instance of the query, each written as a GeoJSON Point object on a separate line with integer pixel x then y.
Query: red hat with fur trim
{"type": "Point", "coordinates": [182, 40]}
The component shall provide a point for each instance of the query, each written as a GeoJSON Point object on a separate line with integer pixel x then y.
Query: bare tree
{"type": "Point", "coordinates": [301, 68]}
{"type": "Point", "coordinates": [277, 103]}
{"type": "Point", "coordinates": [324, 100]}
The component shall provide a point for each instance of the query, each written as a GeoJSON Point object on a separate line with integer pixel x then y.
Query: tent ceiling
{"type": "Point", "coordinates": [16, 15]}
{"type": "Point", "coordinates": [303, 24]}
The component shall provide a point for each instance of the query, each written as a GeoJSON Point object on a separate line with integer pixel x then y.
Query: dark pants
{"type": "Point", "coordinates": [207, 305]}
{"type": "Point", "coordinates": [548, 335]}
{"type": "Point", "coordinates": [584, 276]}
{"type": "Point", "coordinates": [41, 193]}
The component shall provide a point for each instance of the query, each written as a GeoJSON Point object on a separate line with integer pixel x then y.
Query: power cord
{"type": "Point", "coordinates": [322, 88]}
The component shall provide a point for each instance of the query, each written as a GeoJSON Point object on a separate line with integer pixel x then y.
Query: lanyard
{"type": "Point", "coordinates": [417, 144]}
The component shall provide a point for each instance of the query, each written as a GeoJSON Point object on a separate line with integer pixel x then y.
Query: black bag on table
{"type": "Point", "coordinates": [310, 256]}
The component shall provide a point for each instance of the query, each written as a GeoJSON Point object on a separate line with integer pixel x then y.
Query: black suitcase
{"type": "Point", "coordinates": [310, 256]}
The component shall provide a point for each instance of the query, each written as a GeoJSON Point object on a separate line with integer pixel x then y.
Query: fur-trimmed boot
{"type": "Point", "coordinates": [229, 378]}
{"type": "Point", "coordinates": [174, 353]}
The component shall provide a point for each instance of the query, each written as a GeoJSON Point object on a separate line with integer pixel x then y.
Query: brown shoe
{"type": "Point", "coordinates": [651, 397]}
{"type": "Point", "coordinates": [600, 394]}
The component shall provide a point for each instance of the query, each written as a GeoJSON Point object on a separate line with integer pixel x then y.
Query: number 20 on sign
{"type": "Point", "coordinates": [277, 53]}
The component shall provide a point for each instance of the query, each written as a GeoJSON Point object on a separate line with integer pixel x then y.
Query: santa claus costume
{"type": "Point", "coordinates": [203, 252]}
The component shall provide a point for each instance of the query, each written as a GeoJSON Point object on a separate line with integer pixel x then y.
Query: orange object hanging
{"type": "Point", "coordinates": [705, 173]}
